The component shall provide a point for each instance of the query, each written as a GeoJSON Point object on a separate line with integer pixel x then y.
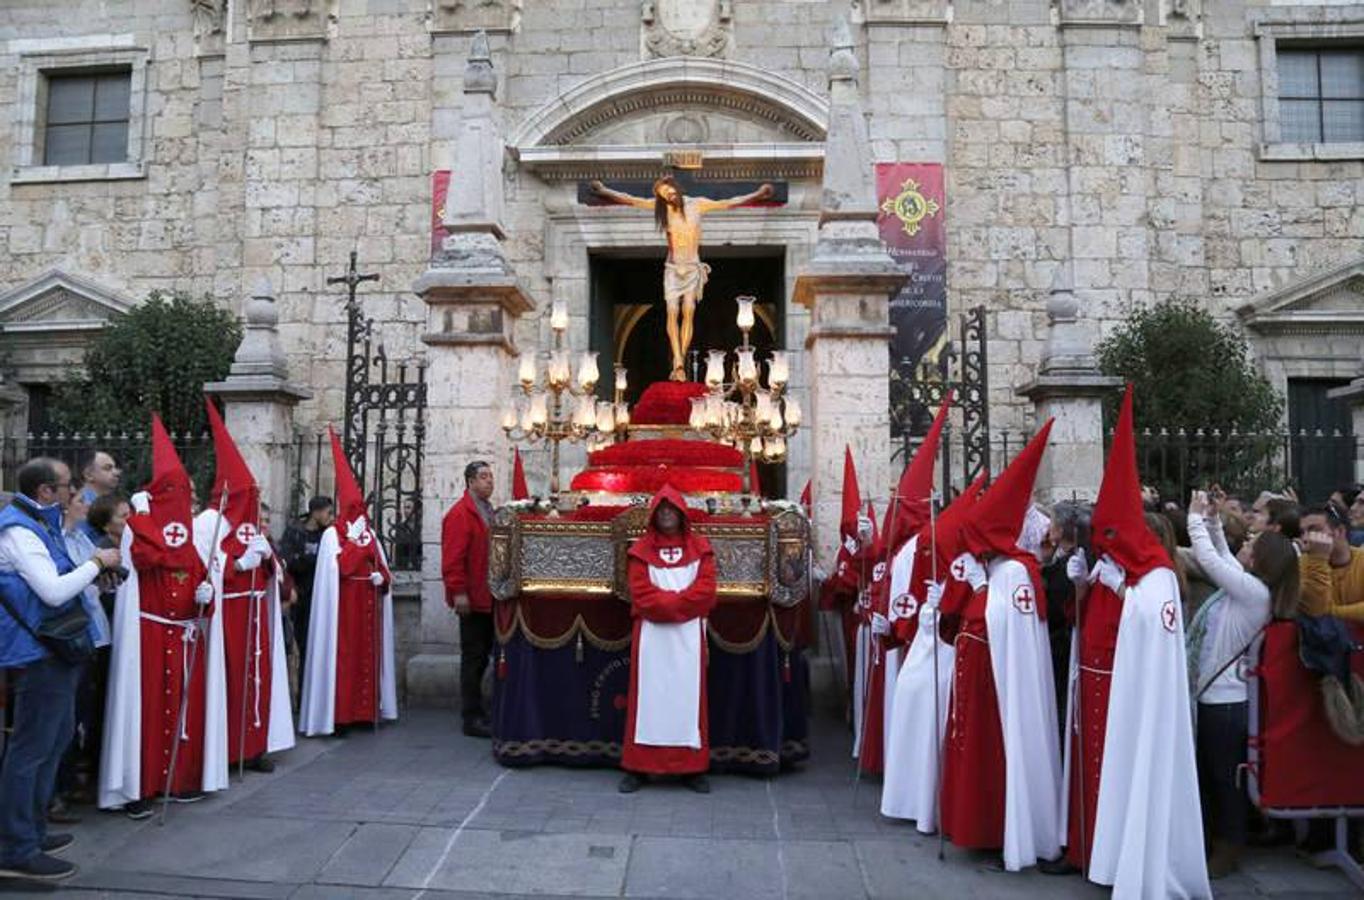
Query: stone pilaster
{"type": "Point", "coordinates": [847, 285]}
{"type": "Point", "coordinates": [258, 403]}
{"type": "Point", "coordinates": [1069, 388]}
{"type": "Point", "coordinates": [472, 298]}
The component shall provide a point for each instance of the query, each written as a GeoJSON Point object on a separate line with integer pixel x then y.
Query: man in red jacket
{"type": "Point", "coordinates": [464, 568]}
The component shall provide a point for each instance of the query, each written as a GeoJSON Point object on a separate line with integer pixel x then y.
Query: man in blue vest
{"type": "Point", "coordinates": [37, 579]}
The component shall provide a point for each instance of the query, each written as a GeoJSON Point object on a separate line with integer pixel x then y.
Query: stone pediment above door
{"type": "Point", "coordinates": [60, 302]}
{"type": "Point", "coordinates": [742, 120]}
{"type": "Point", "coordinates": [1331, 301]}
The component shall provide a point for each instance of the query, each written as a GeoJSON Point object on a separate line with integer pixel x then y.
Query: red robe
{"type": "Point", "coordinates": [167, 579]}
{"type": "Point", "coordinates": [358, 633]}
{"type": "Point", "coordinates": [1101, 613]}
{"type": "Point", "coordinates": [650, 603]}
{"type": "Point", "coordinates": [973, 756]}
{"type": "Point", "coordinates": [247, 643]}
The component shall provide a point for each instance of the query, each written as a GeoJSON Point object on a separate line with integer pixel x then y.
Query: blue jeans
{"type": "Point", "coordinates": [44, 720]}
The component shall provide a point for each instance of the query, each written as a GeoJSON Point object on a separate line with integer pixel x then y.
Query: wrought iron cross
{"type": "Point", "coordinates": [357, 362]}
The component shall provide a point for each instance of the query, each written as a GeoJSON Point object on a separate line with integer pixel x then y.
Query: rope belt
{"type": "Point", "coordinates": [189, 633]}
{"type": "Point", "coordinates": [1093, 671]}
{"type": "Point", "coordinates": [956, 694]}
{"type": "Point", "coordinates": [257, 649]}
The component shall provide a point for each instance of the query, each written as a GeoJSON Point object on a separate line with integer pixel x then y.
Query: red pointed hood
{"type": "Point", "coordinates": [852, 505]}
{"type": "Point", "coordinates": [995, 522]}
{"type": "Point", "coordinates": [947, 529]}
{"type": "Point", "coordinates": [519, 489]}
{"type": "Point", "coordinates": [170, 486]}
{"type": "Point", "coordinates": [231, 473]}
{"type": "Point", "coordinates": [1119, 522]}
{"type": "Point", "coordinates": [806, 500]}
{"type": "Point", "coordinates": [350, 501]}
{"type": "Point", "coordinates": [908, 511]}
{"type": "Point", "coordinates": [659, 549]}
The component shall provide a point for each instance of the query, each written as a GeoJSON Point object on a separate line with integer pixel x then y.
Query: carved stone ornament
{"type": "Point", "coordinates": [1099, 13]}
{"type": "Point", "coordinates": [209, 17]}
{"type": "Point", "coordinates": [289, 20]}
{"type": "Point", "coordinates": [463, 16]}
{"type": "Point", "coordinates": [686, 27]}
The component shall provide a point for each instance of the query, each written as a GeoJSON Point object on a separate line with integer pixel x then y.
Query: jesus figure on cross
{"type": "Point", "coordinates": [684, 275]}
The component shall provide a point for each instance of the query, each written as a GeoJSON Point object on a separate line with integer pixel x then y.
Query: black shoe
{"type": "Point", "coordinates": [1058, 866]}
{"type": "Point", "coordinates": [40, 868]}
{"type": "Point", "coordinates": [698, 783]}
{"type": "Point", "coordinates": [261, 763]}
{"type": "Point", "coordinates": [138, 810]}
{"type": "Point", "coordinates": [188, 797]}
{"type": "Point", "coordinates": [58, 813]}
{"type": "Point", "coordinates": [56, 843]}
{"type": "Point", "coordinates": [478, 728]}
{"type": "Point", "coordinates": [630, 782]}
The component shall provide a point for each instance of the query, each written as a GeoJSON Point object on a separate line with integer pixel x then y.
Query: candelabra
{"type": "Point", "coordinates": [563, 407]}
{"type": "Point", "coordinates": [755, 419]}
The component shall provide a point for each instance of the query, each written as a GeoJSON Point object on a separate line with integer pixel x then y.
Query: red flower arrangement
{"type": "Point", "coordinates": [648, 479]}
{"type": "Point", "coordinates": [667, 452]}
{"type": "Point", "coordinates": [666, 403]}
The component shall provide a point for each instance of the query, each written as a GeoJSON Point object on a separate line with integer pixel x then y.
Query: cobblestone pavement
{"type": "Point", "coordinates": [418, 810]}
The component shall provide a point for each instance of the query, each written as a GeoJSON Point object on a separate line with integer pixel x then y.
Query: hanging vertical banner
{"type": "Point", "coordinates": [440, 187]}
{"type": "Point", "coordinates": [913, 228]}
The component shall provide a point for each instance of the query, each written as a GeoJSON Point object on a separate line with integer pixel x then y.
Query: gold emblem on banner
{"type": "Point", "coordinates": [911, 207]}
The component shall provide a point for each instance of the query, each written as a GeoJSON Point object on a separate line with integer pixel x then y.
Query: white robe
{"type": "Point", "coordinates": [668, 711]}
{"type": "Point", "coordinates": [317, 710]}
{"type": "Point", "coordinates": [913, 735]}
{"type": "Point", "coordinates": [1020, 659]}
{"type": "Point", "coordinates": [280, 735]}
{"type": "Point", "coordinates": [120, 771]}
{"type": "Point", "coordinates": [1148, 831]}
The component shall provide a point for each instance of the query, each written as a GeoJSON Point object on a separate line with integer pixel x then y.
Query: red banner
{"type": "Point", "coordinates": [913, 227]}
{"type": "Point", "coordinates": [440, 187]}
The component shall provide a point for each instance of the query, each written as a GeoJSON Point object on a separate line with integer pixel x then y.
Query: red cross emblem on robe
{"type": "Point", "coordinates": [670, 555]}
{"type": "Point", "coordinates": [1023, 599]}
{"type": "Point", "coordinates": [175, 534]}
{"type": "Point", "coordinates": [1169, 616]}
{"type": "Point", "coordinates": [245, 532]}
{"type": "Point", "coordinates": [904, 606]}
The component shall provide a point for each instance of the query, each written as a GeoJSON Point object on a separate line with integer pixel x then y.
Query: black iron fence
{"type": "Point", "coordinates": [132, 451]}
{"type": "Point", "coordinates": [393, 489]}
{"type": "Point", "coordinates": [1178, 461]}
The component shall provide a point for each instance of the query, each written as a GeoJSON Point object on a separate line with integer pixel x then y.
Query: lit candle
{"type": "Point", "coordinates": [526, 374]}
{"type": "Point", "coordinates": [715, 369]}
{"type": "Point", "coordinates": [527, 419]}
{"type": "Point", "coordinates": [622, 415]}
{"type": "Point", "coordinates": [755, 446]}
{"type": "Point", "coordinates": [792, 411]}
{"type": "Point", "coordinates": [779, 370]}
{"type": "Point", "coordinates": [508, 416]}
{"type": "Point", "coordinates": [748, 367]}
{"type": "Point", "coordinates": [585, 416]}
{"type": "Point", "coordinates": [764, 405]}
{"type": "Point", "coordinates": [697, 420]}
{"type": "Point", "coordinates": [777, 446]}
{"type": "Point", "coordinates": [774, 421]}
{"type": "Point", "coordinates": [621, 382]}
{"type": "Point", "coordinates": [539, 410]}
{"type": "Point", "coordinates": [745, 317]}
{"type": "Point", "coordinates": [588, 375]}
{"type": "Point", "coordinates": [558, 316]}
{"type": "Point", "coordinates": [558, 374]}
{"type": "Point", "coordinates": [606, 417]}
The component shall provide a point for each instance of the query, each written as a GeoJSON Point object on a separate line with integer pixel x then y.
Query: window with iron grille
{"type": "Point", "coordinates": [1321, 94]}
{"type": "Point", "coordinates": [86, 118]}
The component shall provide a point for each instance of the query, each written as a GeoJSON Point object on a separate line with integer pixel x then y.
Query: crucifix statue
{"type": "Point", "coordinates": [684, 275]}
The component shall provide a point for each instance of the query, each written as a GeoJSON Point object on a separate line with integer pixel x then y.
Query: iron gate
{"type": "Point", "coordinates": [384, 430]}
{"type": "Point", "coordinates": [916, 391]}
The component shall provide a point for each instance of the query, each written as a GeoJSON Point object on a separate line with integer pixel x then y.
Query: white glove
{"type": "Point", "coordinates": [141, 503]}
{"type": "Point", "coordinates": [247, 561]}
{"type": "Point", "coordinates": [863, 529]}
{"type": "Point", "coordinates": [260, 545]}
{"type": "Point", "coordinates": [355, 529]}
{"type": "Point", "coordinates": [1077, 567]}
{"type": "Point", "coordinates": [376, 578]}
{"type": "Point", "coordinates": [968, 569]}
{"type": "Point", "coordinates": [879, 624]}
{"type": "Point", "coordinates": [1109, 574]}
{"type": "Point", "coordinates": [934, 595]}
{"type": "Point", "coordinates": [203, 594]}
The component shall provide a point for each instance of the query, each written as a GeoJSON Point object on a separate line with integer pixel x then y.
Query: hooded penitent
{"type": "Point", "coordinates": [1131, 759]}
{"type": "Point", "coordinates": [672, 589]}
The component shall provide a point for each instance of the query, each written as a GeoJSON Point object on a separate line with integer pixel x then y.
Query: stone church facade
{"type": "Point", "coordinates": [1097, 154]}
